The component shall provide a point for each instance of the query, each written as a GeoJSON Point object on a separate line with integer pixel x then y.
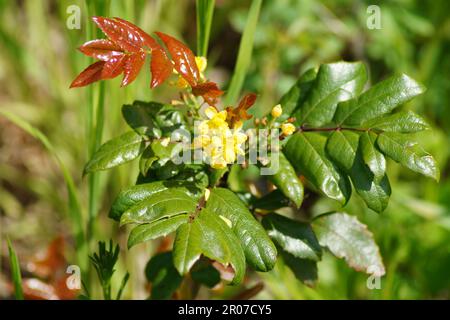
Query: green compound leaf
{"type": "Point", "coordinates": [115, 152]}
{"type": "Point", "coordinates": [167, 203]}
{"type": "Point", "coordinates": [335, 82]}
{"type": "Point", "coordinates": [349, 239]}
{"type": "Point", "coordinates": [163, 276]}
{"type": "Point", "coordinates": [132, 196]}
{"type": "Point", "coordinates": [293, 236]}
{"type": "Point", "coordinates": [259, 250]}
{"type": "Point", "coordinates": [293, 99]}
{"type": "Point", "coordinates": [343, 149]}
{"type": "Point", "coordinates": [372, 157]}
{"type": "Point", "coordinates": [140, 116]}
{"type": "Point", "coordinates": [306, 151]}
{"type": "Point", "coordinates": [157, 151]}
{"type": "Point", "coordinates": [159, 228]}
{"type": "Point", "coordinates": [153, 119]}
{"type": "Point", "coordinates": [382, 98]}
{"type": "Point", "coordinates": [304, 270]}
{"type": "Point", "coordinates": [271, 201]}
{"type": "Point", "coordinates": [402, 122]}
{"type": "Point", "coordinates": [210, 236]}
{"type": "Point", "coordinates": [287, 180]}
{"type": "Point", "coordinates": [405, 151]}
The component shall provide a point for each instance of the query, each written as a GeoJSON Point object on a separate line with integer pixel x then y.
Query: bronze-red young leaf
{"type": "Point", "coordinates": [123, 35]}
{"type": "Point", "coordinates": [183, 58]}
{"type": "Point", "coordinates": [114, 66]}
{"type": "Point", "coordinates": [209, 91]}
{"type": "Point", "coordinates": [89, 75]}
{"type": "Point", "coordinates": [132, 66]}
{"type": "Point", "coordinates": [240, 112]}
{"type": "Point", "coordinates": [102, 49]}
{"type": "Point", "coordinates": [147, 40]}
{"type": "Point", "coordinates": [160, 67]}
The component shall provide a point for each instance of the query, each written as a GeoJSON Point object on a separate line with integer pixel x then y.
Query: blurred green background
{"type": "Point", "coordinates": [38, 60]}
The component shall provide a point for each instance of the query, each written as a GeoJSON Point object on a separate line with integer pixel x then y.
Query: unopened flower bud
{"type": "Point", "coordinates": [276, 111]}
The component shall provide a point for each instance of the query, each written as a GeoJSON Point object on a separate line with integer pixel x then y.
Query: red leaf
{"type": "Point", "coordinates": [183, 59]}
{"type": "Point", "coordinates": [101, 49]}
{"type": "Point", "coordinates": [240, 112]}
{"type": "Point", "coordinates": [246, 102]}
{"type": "Point", "coordinates": [146, 38]}
{"type": "Point", "coordinates": [123, 35]}
{"type": "Point", "coordinates": [161, 67]}
{"type": "Point", "coordinates": [209, 91]}
{"type": "Point", "coordinates": [89, 75]}
{"type": "Point", "coordinates": [132, 66]}
{"type": "Point", "coordinates": [44, 264]}
{"type": "Point", "coordinates": [114, 66]}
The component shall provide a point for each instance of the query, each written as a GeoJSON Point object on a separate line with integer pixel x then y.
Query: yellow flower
{"type": "Point", "coordinates": [181, 83]}
{"type": "Point", "coordinates": [217, 120]}
{"type": "Point", "coordinates": [287, 129]}
{"type": "Point", "coordinates": [218, 163]}
{"type": "Point", "coordinates": [276, 111]}
{"type": "Point", "coordinates": [221, 145]}
{"type": "Point", "coordinates": [201, 63]}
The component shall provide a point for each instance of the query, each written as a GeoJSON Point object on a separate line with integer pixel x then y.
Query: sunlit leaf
{"type": "Point", "coordinates": [400, 148]}
{"type": "Point", "coordinates": [402, 122]}
{"type": "Point", "coordinates": [287, 180]}
{"type": "Point", "coordinates": [348, 238]}
{"type": "Point", "coordinates": [258, 248]}
{"type": "Point", "coordinates": [306, 152]}
{"type": "Point", "coordinates": [334, 82]}
{"type": "Point", "coordinates": [156, 229]}
{"type": "Point", "coordinates": [210, 236]}
{"type": "Point", "coordinates": [343, 148]}
{"type": "Point", "coordinates": [115, 152]}
{"type": "Point", "coordinates": [380, 99]}
{"type": "Point", "coordinates": [128, 198]}
{"type": "Point", "coordinates": [164, 204]}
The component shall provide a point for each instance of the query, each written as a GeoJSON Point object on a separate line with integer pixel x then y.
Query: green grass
{"type": "Point", "coordinates": [74, 208]}
{"type": "Point", "coordinates": [245, 54]}
{"type": "Point", "coordinates": [205, 12]}
{"type": "Point", "coordinates": [15, 272]}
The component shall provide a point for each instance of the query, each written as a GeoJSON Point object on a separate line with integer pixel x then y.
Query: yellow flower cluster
{"type": "Point", "coordinates": [221, 144]}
